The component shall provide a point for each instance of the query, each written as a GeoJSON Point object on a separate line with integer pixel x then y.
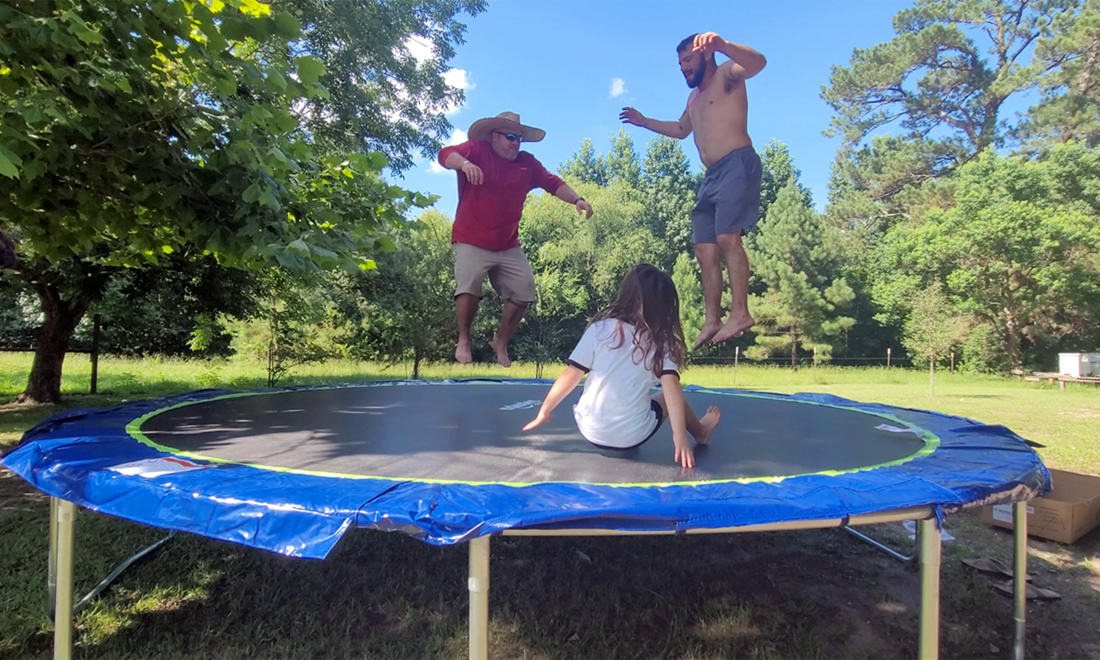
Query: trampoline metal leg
{"type": "Point", "coordinates": [63, 536]}
{"type": "Point", "coordinates": [929, 589]}
{"type": "Point", "coordinates": [1019, 575]}
{"type": "Point", "coordinates": [51, 569]}
{"type": "Point", "coordinates": [478, 584]}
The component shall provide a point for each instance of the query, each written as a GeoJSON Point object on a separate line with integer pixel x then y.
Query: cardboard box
{"type": "Point", "coordinates": [1070, 511]}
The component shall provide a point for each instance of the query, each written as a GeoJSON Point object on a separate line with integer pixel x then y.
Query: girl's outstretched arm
{"type": "Point", "coordinates": [677, 420]}
{"type": "Point", "coordinates": [558, 391]}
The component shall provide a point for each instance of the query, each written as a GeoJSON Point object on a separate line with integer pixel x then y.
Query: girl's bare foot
{"type": "Point", "coordinates": [708, 421]}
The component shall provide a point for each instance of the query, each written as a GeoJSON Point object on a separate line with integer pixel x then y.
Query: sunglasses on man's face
{"type": "Point", "coordinates": [511, 137]}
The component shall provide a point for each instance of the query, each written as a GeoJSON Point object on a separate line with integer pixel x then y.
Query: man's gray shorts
{"type": "Point", "coordinates": [729, 198]}
{"type": "Point", "coordinates": [508, 271]}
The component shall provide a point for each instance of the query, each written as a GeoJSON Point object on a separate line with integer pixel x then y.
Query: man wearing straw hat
{"type": "Point", "coordinates": [494, 177]}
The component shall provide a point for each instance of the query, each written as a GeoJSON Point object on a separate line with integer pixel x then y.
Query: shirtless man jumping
{"type": "Point", "coordinates": [728, 203]}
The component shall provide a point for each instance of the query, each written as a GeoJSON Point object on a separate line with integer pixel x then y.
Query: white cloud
{"type": "Point", "coordinates": [420, 48]}
{"type": "Point", "coordinates": [458, 136]}
{"type": "Point", "coordinates": [618, 87]}
{"type": "Point", "coordinates": [458, 78]}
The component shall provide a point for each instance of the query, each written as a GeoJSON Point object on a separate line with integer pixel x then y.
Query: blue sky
{"type": "Point", "coordinates": [569, 66]}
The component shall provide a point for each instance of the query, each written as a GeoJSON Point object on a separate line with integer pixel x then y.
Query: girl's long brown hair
{"type": "Point", "coordinates": [648, 300]}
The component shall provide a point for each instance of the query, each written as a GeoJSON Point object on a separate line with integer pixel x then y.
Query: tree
{"type": "Point", "coordinates": [685, 275]}
{"type": "Point", "coordinates": [1070, 107]}
{"type": "Point", "coordinates": [132, 132]}
{"type": "Point", "coordinates": [622, 161]}
{"type": "Point", "coordinates": [586, 166]}
{"type": "Point", "coordinates": [943, 81]}
{"type": "Point", "coordinates": [777, 170]}
{"type": "Point", "coordinates": [797, 256]}
{"type": "Point", "coordinates": [1017, 251]}
{"type": "Point", "coordinates": [287, 327]}
{"type": "Point", "coordinates": [402, 310]}
{"type": "Point", "coordinates": [668, 191]}
{"type": "Point", "coordinates": [382, 96]}
{"type": "Point", "coordinates": [933, 328]}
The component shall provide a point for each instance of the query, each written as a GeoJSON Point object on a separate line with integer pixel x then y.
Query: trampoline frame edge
{"type": "Point", "coordinates": [62, 550]}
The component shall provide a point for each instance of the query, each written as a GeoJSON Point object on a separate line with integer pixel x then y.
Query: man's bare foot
{"type": "Point", "coordinates": [707, 331]}
{"type": "Point", "coordinates": [464, 353]}
{"type": "Point", "coordinates": [733, 327]}
{"type": "Point", "coordinates": [501, 349]}
{"type": "Point", "coordinates": [708, 422]}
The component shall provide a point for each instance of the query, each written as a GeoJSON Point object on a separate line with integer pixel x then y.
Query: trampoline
{"type": "Point", "coordinates": [291, 470]}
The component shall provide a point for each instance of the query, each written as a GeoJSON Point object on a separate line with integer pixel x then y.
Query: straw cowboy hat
{"type": "Point", "coordinates": [505, 122]}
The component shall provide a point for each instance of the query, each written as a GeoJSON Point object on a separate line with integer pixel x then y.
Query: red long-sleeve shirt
{"type": "Point", "coordinates": [488, 214]}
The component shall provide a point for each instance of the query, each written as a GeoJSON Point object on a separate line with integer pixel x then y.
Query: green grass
{"type": "Point", "coordinates": [779, 595]}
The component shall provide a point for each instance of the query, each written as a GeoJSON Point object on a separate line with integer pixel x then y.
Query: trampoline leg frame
{"type": "Point", "coordinates": [478, 584]}
{"type": "Point", "coordinates": [62, 536]}
{"type": "Point", "coordinates": [930, 549]}
{"type": "Point", "coordinates": [1019, 576]}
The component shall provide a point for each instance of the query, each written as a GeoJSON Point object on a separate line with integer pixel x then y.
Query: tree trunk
{"type": "Point", "coordinates": [1012, 340]}
{"type": "Point", "coordinates": [61, 319]}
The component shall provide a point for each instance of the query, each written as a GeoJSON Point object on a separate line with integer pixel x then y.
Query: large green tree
{"type": "Point", "coordinates": [586, 166]}
{"type": "Point", "coordinates": [1018, 252]}
{"type": "Point", "coordinates": [386, 72]}
{"type": "Point", "coordinates": [668, 191]}
{"type": "Point", "coordinates": [129, 131]}
{"type": "Point", "coordinates": [777, 170]}
{"type": "Point", "coordinates": [622, 160]}
{"type": "Point", "coordinates": [401, 310]}
{"type": "Point", "coordinates": [797, 257]}
{"type": "Point", "coordinates": [1070, 109]}
{"type": "Point", "coordinates": [941, 87]}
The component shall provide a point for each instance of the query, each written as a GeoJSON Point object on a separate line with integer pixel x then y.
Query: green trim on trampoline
{"type": "Point", "coordinates": [930, 443]}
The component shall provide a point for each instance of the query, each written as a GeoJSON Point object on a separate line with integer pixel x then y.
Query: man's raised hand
{"type": "Point", "coordinates": [631, 116]}
{"type": "Point", "coordinates": [706, 43]}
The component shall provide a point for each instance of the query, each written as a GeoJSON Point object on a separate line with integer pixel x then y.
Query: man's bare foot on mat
{"type": "Point", "coordinates": [705, 334]}
{"type": "Point", "coordinates": [464, 353]}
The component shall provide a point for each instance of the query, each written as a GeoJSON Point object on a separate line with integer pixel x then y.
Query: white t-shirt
{"type": "Point", "coordinates": [614, 409]}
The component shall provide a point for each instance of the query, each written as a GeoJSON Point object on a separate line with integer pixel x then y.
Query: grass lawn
{"type": "Point", "coordinates": [818, 594]}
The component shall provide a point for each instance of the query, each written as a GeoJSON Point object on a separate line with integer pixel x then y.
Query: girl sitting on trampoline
{"type": "Point", "coordinates": [631, 346]}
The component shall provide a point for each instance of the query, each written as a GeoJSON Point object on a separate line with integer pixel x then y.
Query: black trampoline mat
{"type": "Point", "coordinates": [471, 432]}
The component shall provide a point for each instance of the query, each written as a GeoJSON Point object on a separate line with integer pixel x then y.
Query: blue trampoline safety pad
{"type": "Point", "coordinates": [291, 470]}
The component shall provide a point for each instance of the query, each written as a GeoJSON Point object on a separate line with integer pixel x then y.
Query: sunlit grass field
{"type": "Point", "coordinates": [797, 595]}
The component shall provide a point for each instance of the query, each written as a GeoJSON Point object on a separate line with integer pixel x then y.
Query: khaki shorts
{"type": "Point", "coordinates": [508, 272]}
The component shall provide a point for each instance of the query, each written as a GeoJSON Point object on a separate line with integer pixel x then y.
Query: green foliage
{"type": "Point", "coordinates": [586, 166]}
{"type": "Point", "coordinates": [685, 276]}
{"type": "Point", "coordinates": [622, 161]}
{"type": "Point", "coordinates": [1018, 251]}
{"type": "Point", "coordinates": [797, 257]}
{"type": "Point", "coordinates": [130, 133]}
{"type": "Point", "coordinates": [402, 310]}
{"type": "Point", "coordinates": [288, 329]}
{"type": "Point", "coordinates": [933, 327]}
{"type": "Point", "coordinates": [381, 96]}
{"type": "Point", "coordinates": [668, 191]}
{"type": "Point", "coordinates": [777, 170]}
{"type": "Point", "coordinates": [942, 83]}
{"type": "Point", "coordinates": [1070, 106]}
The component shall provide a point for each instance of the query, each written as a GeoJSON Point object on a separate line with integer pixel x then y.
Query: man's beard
{"type": "Point", "coordinates": [697, 75]}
